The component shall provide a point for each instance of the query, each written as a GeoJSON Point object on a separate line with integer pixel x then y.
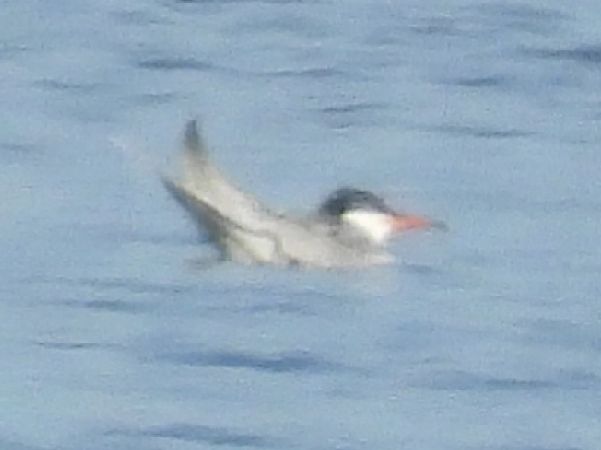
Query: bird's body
{"type": "Point", "coordinates": [244, 230]}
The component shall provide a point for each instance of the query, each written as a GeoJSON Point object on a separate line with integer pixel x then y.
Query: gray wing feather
{"type": "Point", "coordinates": [234, 220]}
{"type": "Point", "coordinates": [201, 179]}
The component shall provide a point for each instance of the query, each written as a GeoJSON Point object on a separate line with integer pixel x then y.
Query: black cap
{"type": "Point", "coordinates": [348, 199]}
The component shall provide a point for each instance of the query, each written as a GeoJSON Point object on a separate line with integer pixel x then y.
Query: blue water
{"type": "Point", "coordinates": [115, 335]}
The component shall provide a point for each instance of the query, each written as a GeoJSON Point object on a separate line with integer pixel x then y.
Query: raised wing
{"type": "Point", "coordinates": [205, 182]}
{"type": "Point", "coordinates": [240, 226]}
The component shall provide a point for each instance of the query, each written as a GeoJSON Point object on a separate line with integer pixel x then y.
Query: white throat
{"type": "Point", "coordinates": [377, 227]}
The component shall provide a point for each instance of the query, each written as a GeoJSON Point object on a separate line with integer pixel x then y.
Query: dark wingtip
{"type": "Point", "coordinates": [168, 183]}
{"type": "Point", "coordinates": [172, 188]}
{"type": "Point", "coordinates": [191, 134]}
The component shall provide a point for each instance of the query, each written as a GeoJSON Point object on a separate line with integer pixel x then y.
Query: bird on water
{"type": "Point", "coordinates": [350, 229]}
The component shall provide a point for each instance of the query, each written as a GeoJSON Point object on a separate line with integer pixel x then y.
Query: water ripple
{"type": "Point", "coordinates": [12, 445]}
{"type": "Point", "coordinates": [77, 345]}
{"type": "Point", "coordinates": [8, 51]}
{"type": "Point", "coordinates": [480, 132]}
{"type": "Point", "coordinates": [119, 306]}
{"type": "Point", "coordinates": [168, 64]}
{"type": "Point", "coordinates": [316, 72]}
{"type": "Point", "coordinates": [201, 434]}
{"type": "Point", "coordinates": [277, 363]}
{"type": "Point", "coordinates": [351, 108]}
{"type": "Point", "coordinates": [586, 54]}
{"type": "Point", "coordinates": [480, 82]}
{"type": "Point", "coordinates": [61, 85]}
{"type": "Point", "coordinates": [127, 284]}
{"type": "Point", "coordinates": [466, 381]}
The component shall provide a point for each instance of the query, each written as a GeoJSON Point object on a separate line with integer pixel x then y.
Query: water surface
{"type": "Point", "coordinates": [115, 334]}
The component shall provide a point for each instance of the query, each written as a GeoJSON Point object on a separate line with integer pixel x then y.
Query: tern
{"type": "Point", "coordinates": [349, 229]}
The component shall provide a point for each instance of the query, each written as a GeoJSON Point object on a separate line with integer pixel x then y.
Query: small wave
{"type": "Point", "coordinates": [586, 54]}
{"type": "Point", "coordinates": [169, 64]}
{"type": "Point", "coordinates": [201, 434]}
{"type": "Point", "coordinates": [277, 363]}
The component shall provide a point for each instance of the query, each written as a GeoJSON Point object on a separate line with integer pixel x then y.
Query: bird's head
{"type": "Point", "coordinates": [368, 215]}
